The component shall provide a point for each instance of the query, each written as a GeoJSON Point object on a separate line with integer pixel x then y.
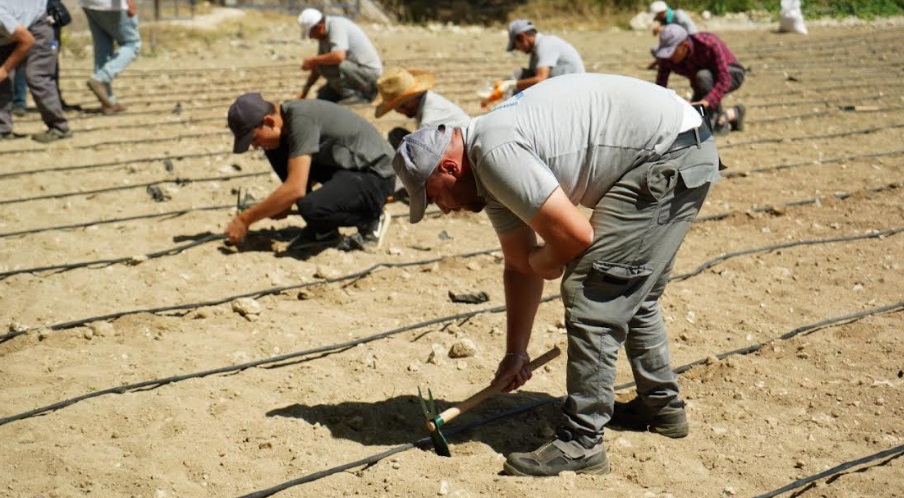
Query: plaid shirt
{"type": "Point", "coordinates": [707, 51]}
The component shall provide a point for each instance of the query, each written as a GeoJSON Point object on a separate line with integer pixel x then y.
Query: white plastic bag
{"type": "Point", "coordinates": [790, 18]}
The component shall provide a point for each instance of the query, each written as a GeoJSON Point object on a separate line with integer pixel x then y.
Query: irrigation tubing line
{"type": "Point", "coordinates": [178, 181]}
{"type": "Point", "coordinates": [864, 131]}
{"type": "Point", "coordinates": [811, 242]}
{"type": "Point", "coordinates": [814, 162]}
{"type": "Point", "coordinates": [173, 214]}
{"type": "Point", "coordinates": [460, 316]}
{"type": "Point", "coordinates": [112, 164]}
{"type": "Point", "coordinates": [107, 262]}
{"type": "Point", "coordinates": [124, 142]}
{"type": "Point", "coordinates": [891, 453]}
{"type": "Point", "coordinates": [244, 366]}
{"type": "Point", "coordinates": [823, 113]}
{"type": "Point", "coordinates": [684, 368]}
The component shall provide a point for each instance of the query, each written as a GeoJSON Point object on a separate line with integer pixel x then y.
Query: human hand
{"type": "Point", "coordinates": [237, 229]}
{"type": "Point", "coordinates": [131, 10]}
{"type": "Point", "coordinates": [3, 74]}
{"type": "Point", "coordinates": [507, 85]}
{"type": "Point", "coordinates": [308, 64]}
{"type": "Point", "coordinates": [512, 372]}
{"type": "Point", "coordinates": [702, 102]}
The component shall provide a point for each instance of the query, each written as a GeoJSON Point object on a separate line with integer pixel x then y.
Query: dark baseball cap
{"type": "Point", "coordinates": [246, 114]}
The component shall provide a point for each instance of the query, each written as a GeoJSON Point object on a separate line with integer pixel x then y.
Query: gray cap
{"type": "Point", "coordinates": [414, 162]}
{"type": "Point", "coordinates": [246, 114]}
{"type": "Point", "coordinates": [669, 38]}
{"type": "Point", "coordinates": [517, 27]}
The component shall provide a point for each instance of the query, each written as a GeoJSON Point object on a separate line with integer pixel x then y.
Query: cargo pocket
{"type": "Point", "coordinates": [697, 175]}
{"type": "Point", "coordinates": [607, 281]}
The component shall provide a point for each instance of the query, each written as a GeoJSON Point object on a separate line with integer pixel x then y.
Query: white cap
{"type": "Point", "coordinates": [307, 20]}
{"type": "Point", "coordinates": [658, 6]}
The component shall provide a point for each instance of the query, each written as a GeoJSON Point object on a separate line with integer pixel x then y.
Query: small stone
{"type": "Point", "coordinates": [101, 329]}
{"type": "Point", "coordinates": [88, 334]}
{"type": "Point", "coordinates": [304, 294]}
{"type": "Point", "coordinates": [18, 327]}
{"type": "Point", "coordinates": [712, 360]}
{"type": "Point", "coordinates": [443, 488]}
{"type": "Point", "coordinates": [880, 401]}
{"type": "Point", "coordinates": [414, 367]}
{"type": "Point", "coordinates": [463, 348]}
{"type": "Point", "coordinates": [691, 316]}
{"type": "Point", "coordinates": [266, 445]}
{"type": "Point", "coordinates": [474, 266]}
{"type": "Point", "coordinates": [436, 354]}
{"type": "Point", "coordinates": [327, 273]}
{"type": "Point", "coordinates": [246, 306]}
{"type": "Point", "coordinates": [137, 260]}
{"type": "Point", "coordinates": [728, 491]}
{"type": "Point", "coordinates": [396, 465]}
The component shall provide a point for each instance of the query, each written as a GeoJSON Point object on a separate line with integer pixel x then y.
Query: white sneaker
{"type": "Point", "coordinates": [374, 233]}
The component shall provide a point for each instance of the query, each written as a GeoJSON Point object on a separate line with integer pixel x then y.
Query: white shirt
{"type": "Point", "coordinates": [104, 4]}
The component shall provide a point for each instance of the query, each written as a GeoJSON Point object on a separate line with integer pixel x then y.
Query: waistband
{"type": "Point", "coordinates": [690, 138]}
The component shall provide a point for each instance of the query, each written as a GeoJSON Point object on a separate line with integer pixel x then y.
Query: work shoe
{"type": "Point", "coordinates": [112, 109]}
{"type": "Point", "coordinates": [310, 238]}
{"type": "Point", "coordinates": [19, 111]}
{"type": "Point", "coordinates": [51, 135]}
{"type": "Point", "coordinates": [670, 421]}
{"type": "Point", "coordinates": [558, 456]}
{"type": "Point", "coordinates": [100, 91]}
{"type": "Point", "coordinates": [369, 236]}
{"type": "Point", "coordinates": [10, 135]}
{"type": "Point", "coordinates": [738, 123]}
{"type": "Point", "coordinates": [354, 99]}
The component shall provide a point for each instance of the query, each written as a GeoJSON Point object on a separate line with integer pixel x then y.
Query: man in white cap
{"type": "Point", "coordinates": [666, 15]}
{"type": "Point", "coordinates": [409, 92]}
{"type": "Point", "coordinates": [311, 142]}
{"type": "Point", "coordinates": [640, 158]}
{"type": "Point", "coordinates": [346, 58]}
{"type": "Point", "coordinates": [712, 69]}
{"type": "Point", "coordinates": [549, 55]}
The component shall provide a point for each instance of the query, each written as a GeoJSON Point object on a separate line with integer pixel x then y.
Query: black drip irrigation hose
{"type": "Point", "coordinates": [823, 113]}
{"type": "Point", "coordinates": [173, 214]}
{"type": "Point", "coordinates": [114, 143]}
{"type": "Point", "coordinates": [151, 384]}
{"type": "Point", "coordinates": [814, 162]}
{"type": "Point", "coordinates": [112, 164]}
{"type": "Point", "coordinates": [177, 181]}
{"type": "Point", "coordinates": [865, 131]}
{"type": "Point", "coordinates": [684, 368]}
{"type": "Point", "coordinates": [107, 262]}
{"type": "Point", "coordinates": [278, 359]}
{"type": "Point", "coordinates": [890, 453]}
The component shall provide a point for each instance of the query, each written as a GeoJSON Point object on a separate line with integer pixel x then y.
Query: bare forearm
{"type": "Point", "coordinates": [279, 201]}
{"type": "Point", "coordinates": [522, 298]}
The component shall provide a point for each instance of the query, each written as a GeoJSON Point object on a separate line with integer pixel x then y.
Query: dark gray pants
{"type": "Point", "coordinates": [703, 83]}
{"type": "Point", "coordinates": [39, 65]}
{"type": "Point", "coordinates": [348, 79]}
{"type": "Point", "coordinates": [611, 292]}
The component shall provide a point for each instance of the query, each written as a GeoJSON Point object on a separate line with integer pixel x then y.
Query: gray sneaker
{"type": "Point", "coordinates": [558, 456]}
{"type": "Point", "coordinates": [670, 420]}
{"type": "Point", "coordinates": [51, 135]}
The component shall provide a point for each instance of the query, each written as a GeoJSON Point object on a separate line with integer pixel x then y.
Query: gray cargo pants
{"type": "Point", "coordinates": [39, 66]}
{"type": "Point", "coordinates": [610, 293]}
{"type": "Point", "coordinates": [346, 80]}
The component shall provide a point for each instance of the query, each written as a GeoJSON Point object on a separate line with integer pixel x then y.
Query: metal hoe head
{"type": "Point", "coordinates": [436, 436]}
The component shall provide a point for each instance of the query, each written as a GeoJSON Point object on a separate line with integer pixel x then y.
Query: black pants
{"type": "Point", "coordinates": [346, 198]}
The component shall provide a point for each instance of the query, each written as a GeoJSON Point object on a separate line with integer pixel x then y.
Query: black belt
{"type": "Point", "coordinates": [690, 138]}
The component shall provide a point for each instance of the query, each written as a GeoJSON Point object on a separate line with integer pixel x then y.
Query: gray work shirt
{"type": "Point", "coordinates": [580, 132]}
{"type": "Point", "coordinates": [682, 19]}
{"type": "Point", "coordinates": [436, 110]}
{"type": "Point", "coordinates": [342, 34]}
{"type": "Point", "coordinates": [16, 12]}
{"type": "Point", "coordinates": [333, 136]}
{"type": "Point", "coordinates": [556, 54]}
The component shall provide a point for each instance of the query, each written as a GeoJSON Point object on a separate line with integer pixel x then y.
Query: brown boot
{"type": "Point", "coordinates": [112, 109]}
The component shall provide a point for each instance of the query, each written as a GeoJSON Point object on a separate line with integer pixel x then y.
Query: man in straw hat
{"type": "Point", "coordinates": [712, 69]}
{"type": "Point", "coordinates": [549, 55]}
{"type": "Point", "coordinates": [409, 92]}
{"type": "Point", "coordinates": [640, 158]}
{"type": "Point", "coordinates": [345, 57]}
{"type": "Point", "coordinates": [309, 142]}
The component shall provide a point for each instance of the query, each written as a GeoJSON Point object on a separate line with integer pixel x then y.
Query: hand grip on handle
{"type": "Point", "coordinates": [476, 399]}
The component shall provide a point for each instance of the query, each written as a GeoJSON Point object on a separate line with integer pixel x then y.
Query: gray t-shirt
{"type": "Point", "coordinates": [436, 110]}
{"type": "Point", "coordinates": [333, 136]}
{"type": "Point", "coordinates": [682, 19]}
{"type": "Point", "coordinates": [342, 34]}
{"type": "Point", "coordinates": [16, 12]}
{"type": "Point", "coordinates": [580, 132]}
{"type": "Point", "coordinates": [556, 54]}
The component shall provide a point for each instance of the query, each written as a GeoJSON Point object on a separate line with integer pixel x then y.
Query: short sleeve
{"type": "Point", "coordinates": [304, 138]}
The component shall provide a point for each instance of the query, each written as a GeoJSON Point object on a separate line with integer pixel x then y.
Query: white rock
{"type": "Point", "coordinates": [137, 260]}
{"type": "Point", "coordinates": [246, 306]}
{"type": "Point", "coordinates": [443, 488]}
{"type": "Point", "coordinates": [17, 327]}
{"type": "Point", "coordinates": [464, 348]}
{"type": "Point", "coordinates": [436, 354]}
{"type": "Point", "coordinates": [101, 329]}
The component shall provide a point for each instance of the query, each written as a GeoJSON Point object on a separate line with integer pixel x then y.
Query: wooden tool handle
{"type": "Point", "coordinates": [476, 399]}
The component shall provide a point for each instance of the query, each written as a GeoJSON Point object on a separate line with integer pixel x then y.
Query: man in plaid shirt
{"type": "Point", "coordinates": [712, 69]}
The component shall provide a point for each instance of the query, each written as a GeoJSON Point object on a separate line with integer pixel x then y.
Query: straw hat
{"type": "Point", "coordinates": [398, 86]}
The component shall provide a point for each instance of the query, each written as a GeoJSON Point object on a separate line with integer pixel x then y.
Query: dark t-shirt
{"type": "Point", "coordinates": [334, 137]}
